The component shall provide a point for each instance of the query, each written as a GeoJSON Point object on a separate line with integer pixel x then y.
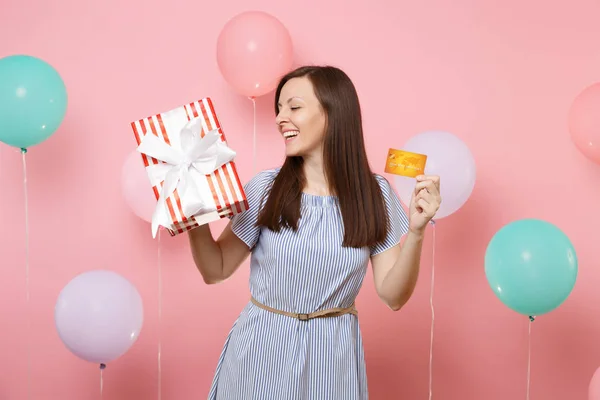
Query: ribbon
{"type": "Point", "coordinates": [183, 167]}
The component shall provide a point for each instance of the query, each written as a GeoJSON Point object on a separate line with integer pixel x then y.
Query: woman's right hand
{"type": "Point", "coordinates": [217, 260]}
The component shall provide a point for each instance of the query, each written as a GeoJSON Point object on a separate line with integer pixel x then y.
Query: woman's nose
{"type": "Point", "coordinates": [281, 118]}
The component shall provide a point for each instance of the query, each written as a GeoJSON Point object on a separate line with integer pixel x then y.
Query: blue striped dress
{"type": "Point", "coordinates": [268, 356]}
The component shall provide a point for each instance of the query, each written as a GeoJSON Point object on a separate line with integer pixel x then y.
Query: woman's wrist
{"type": "Point", "coordinates": [416, 234]}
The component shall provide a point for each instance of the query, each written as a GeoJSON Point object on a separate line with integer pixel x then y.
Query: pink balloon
{"type": "Point", "coordinates": [99, 315]}
{"type": "Point", "coordinates": [254, 50]}
{"type": "Point", "coordinates": [584, 122]}
{"type": "Point", "coordinates": [594, 388]}
{"type": "Point", "coordinates": [136, 187]}
{"type": "Point", "coordinates": [450, 159]}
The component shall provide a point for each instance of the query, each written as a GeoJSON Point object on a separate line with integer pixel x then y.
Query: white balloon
{"type": "Point", "coordinates": [450, 159]}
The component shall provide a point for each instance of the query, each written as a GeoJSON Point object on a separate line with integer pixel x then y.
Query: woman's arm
{"type": "Point", "coordinates": [396, 270]}
{"type": "Point", "coordinates": [217, 260]}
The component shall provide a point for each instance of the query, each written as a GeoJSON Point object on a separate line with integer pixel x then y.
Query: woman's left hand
{"type": "Point", "coordinates": [424, 203]}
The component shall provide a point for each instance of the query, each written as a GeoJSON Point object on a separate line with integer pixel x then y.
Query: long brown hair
{"type": "Point", "coordinates": [346, 166]}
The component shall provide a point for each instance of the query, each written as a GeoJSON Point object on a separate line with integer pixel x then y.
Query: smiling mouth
{"type": "Point", "coordinates": [290, 134]}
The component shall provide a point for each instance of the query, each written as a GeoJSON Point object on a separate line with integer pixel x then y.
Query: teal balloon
{"type": "Point", "coordinates": [33, 100]}
{"type": "Point", "coordinates": [531, 266]}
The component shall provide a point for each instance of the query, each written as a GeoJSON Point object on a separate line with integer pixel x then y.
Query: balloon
{"type": "Point", "coordinates": [531, 266]}
{"type": "Point", "coordinates": [33, 101]}
{"type": "Point", "coordinates": [99, 315]}
{"type": "Point", "coordinates": [594, 388]}
{"type": "Point", "coordinates": [450, 159]}
{"type": "Point", "coordinates": [136, 187]}
{"type": "Point", "coordinates": [584, 122]}
{"type": "Point", "coordinates": [254, 50]}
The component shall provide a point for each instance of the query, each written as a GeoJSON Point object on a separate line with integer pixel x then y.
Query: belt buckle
{"type": "Point", "coordinates": [303, 317]}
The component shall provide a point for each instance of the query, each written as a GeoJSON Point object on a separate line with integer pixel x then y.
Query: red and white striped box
{"type": "Point", "coordinates": [223, 188]}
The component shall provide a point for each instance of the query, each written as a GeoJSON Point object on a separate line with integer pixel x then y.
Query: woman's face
{"type": "Point", "coordinates": [301, 119]}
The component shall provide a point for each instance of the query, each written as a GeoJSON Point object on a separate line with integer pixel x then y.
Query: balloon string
{"type": "Point", "coordinates": [159, 317]}
{"type": "Point", "coordinates": [531, 319]}
{"type": "Point", "coordinates": [27, 294]}
{"type": "Point", "coordinates": [254, 136]}
{"type": "Point", "coordinates": [432, 314]}
{"type": "Point", "coordinates": [102, 366]}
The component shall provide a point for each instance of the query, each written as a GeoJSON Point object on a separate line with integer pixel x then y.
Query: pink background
{"type": "Point", "coordinates": [500, 75]}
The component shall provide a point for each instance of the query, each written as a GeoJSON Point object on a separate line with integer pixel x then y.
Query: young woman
{"type": "Point", "coordinates": [312, 227]}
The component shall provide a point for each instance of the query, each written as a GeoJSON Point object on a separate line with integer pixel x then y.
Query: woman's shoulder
{"type": "Point", "coordinates": [269, 173]}
{"type": "Point", "coordinates": [383, 182]}
{"type": "Point", "coordinates": [264, 178]}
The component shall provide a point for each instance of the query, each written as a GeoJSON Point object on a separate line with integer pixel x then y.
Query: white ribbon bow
{"type": "Point", "coordinates": [183, 167]}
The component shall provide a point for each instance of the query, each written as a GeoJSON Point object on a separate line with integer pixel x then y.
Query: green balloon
{"type": "Point", "coordinates": [33, 100]}
{"type": "Point", "coordinates": [531, 266]}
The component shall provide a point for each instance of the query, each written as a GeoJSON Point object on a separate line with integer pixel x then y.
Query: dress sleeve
{"type": "Point", "coordinates": [398, 220]}
{"type": "Point", "coordinates": [244, 224]}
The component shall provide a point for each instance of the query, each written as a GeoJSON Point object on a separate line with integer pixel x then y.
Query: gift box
{"type": "Point", "coordinates": [190, 167]}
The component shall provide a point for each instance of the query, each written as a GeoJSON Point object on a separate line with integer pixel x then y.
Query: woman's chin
{"type": "Point", "coordinates": [292, 151]}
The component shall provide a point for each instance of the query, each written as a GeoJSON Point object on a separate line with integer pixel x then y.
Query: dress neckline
{"type": "Point", "coordinates": [316, 200]}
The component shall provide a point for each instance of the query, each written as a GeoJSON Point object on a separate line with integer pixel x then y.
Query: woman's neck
{"type": "Point", "coordinates": [314, 173]}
